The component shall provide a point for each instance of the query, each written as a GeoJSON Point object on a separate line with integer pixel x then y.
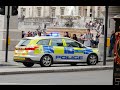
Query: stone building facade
{"type": "Point", "coordinates": [54, 11]}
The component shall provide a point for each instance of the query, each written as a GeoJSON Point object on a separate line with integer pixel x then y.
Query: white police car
{"type": "Point", "coordinates": [47, 50]}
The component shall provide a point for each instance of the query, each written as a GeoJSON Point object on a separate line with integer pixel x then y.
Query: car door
{"type": "Point", "coordinates": [74, 50]}
{"type": "Point", "coordinates": [58, 47]}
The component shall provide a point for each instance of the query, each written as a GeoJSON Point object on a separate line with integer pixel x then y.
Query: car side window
{"type": "Point", "coordinates": [43, 42]}
{"type": "Point", "coordinates": [71, 43]}
{"type": "Point", "coordinates": [56, 42]}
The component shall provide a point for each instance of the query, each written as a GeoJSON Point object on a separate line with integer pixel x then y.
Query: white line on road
{"type": "Point", "coordinates": [24, 84]}
{"type": "Point", "coordinates": [8, 83]}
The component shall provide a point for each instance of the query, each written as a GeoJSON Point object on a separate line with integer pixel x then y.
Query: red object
{"type": "Point", "coordinates": [31, 48]}
{"type": "Point", "coordinates": [117, 48]}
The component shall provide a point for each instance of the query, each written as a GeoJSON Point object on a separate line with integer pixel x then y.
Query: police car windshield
{"type": "Point", "coordinates": [24, 42]}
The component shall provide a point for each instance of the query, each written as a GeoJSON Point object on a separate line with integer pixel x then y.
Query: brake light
{"type": "Point", "coordinates": [31, 48]}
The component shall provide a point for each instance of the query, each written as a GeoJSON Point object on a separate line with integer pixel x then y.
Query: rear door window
{"type": "Point", "coordinates": [24, 42]}
{"type": "Point", "coordinates": [57, 42]}
{"type": "Point", "coordinates": [43, 42]}
{"type": "Point", "coordinates": [71, 43]}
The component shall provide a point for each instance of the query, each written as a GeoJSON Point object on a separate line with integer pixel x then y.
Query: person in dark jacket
{"type": "Point", "coordinates": [75, 37]}
{"type": "Point", "coordinates": [66, 34]}
{"type": "Point", "coordinates": [23, 34]}
{"type": "Point", "coordinates": [112, 42]}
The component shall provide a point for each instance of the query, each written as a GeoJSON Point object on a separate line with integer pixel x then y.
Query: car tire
{"type": "Point", "coordinates": [28, 64]}
{"type": "Point", "coordinates": [73, 64]}
{"type": "Point", "coordinates": [46, 61]}
{"type": "Point", "coordinates": [92, 59]}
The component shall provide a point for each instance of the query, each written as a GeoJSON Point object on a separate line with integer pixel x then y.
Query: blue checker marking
{"type": "Point", "coordinates": [87, 51]}
{"type": "Point", "coordinates": [78, 51]}
{"type": "Point", "coordinates": [48, 49]}
{"type": "Point", "coordinates": [68, 50]}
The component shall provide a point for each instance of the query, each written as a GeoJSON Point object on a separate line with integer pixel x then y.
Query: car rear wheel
{"type": "Point", "coordinates": [28, 64]}
{"type": "Point", "coordinates": [46, 61]}
{"type": "Point", "coordinates": [92, 59]}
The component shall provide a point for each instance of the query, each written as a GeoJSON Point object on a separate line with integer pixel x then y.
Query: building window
{"type": "Point", "coordinates": [53, 11]}
{"type": "Point", "coordinates": [38, 11]}
{"type": "Point", "coordinates": [23, 11]}
{"type": "Point", "coordinates": [80, 11]}
{"type": "Point", "coordinates": [62, 9]}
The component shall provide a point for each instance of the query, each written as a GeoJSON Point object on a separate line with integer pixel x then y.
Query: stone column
{"type": "Point", "coordinates": [77, 10]}
{"type": "Point", "coordinates": [46, 11]}
{"type": "Point", "coordinates": [112, 11]}
{"type": "Point", "coordinates": [96, 11]}
{"type": "Point", "coordinates": [14, 34]}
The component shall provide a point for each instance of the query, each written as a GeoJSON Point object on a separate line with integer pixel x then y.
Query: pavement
{"type": "Point", "coordinates": [12, 67]}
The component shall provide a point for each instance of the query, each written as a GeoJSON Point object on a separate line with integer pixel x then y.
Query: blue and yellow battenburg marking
{"type": "Point", "coordinates": [66, 50]}
{"type": "Point", "coordinates": [48, 49]}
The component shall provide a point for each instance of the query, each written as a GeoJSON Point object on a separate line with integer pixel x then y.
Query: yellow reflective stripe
{"type": "Point", "coordinates": [95, 50]}
{"type": "Point", "coordinates": [79, 49]}
{"type": "Point", "coordinates": [39, 50]}
{"type": "Point", "coordinates": [58, 50]}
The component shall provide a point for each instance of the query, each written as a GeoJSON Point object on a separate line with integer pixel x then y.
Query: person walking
{"type": "Point", "coordinates": [112, 42]}
{"type": "Point", "coordinates": [88, 38]}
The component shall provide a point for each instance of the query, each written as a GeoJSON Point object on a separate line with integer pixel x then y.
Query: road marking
{"type": "Point", "coordinates": [7, 83]}
{"type": "Point", "coordinates": [25, 84]}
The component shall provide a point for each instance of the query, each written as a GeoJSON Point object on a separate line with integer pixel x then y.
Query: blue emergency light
{"type": "Point", "coordinates": [54, 34]}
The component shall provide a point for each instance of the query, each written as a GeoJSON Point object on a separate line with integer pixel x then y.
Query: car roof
{"type": "Point", "coordinates": [43, 37]}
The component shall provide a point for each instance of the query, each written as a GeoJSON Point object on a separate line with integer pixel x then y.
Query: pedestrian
{"type": "Point", "coordinates": [75, 37]}
{"type": "Point", "coordinates": [66, 34]}
{"type": "Point", "coordinates": [23, 34]}
{"type": "Point", "coordinates": [80, 39]}
{"type": "Point", "coordinates": [88, 38]}
{"type": "Point", "coordinates": [97, 39]}
{"type": "Point", "coordinates": [112, 42]}
{"type": "Point", "coordinates": [90, 25]}
{"type": "Point", "coordinates": [39, 33]}
{"type": "Point", "coordinates": [28, 34]}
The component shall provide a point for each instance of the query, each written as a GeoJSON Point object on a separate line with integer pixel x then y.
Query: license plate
{"type": "Point", "coordinates": [21, 52]}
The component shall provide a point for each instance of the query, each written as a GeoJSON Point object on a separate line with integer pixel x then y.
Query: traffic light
{"type": "Point", "coordinates": [2, 10]}
{"type": "Point", "coordinates": [14, 10]}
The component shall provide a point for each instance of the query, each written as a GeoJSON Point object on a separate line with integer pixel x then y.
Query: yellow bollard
{"type": "Point", "coordinates": [8, 40]}
{"type": "Point", "coordinates": [108, 42]}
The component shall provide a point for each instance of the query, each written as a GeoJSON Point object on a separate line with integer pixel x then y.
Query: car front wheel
{"type": "Point", "coordinates": [92, 59]}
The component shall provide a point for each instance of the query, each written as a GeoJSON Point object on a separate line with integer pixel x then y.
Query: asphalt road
{"type": "Point", "coordinates": [54, 65]}
{"type": "Point", "coordinates": [103, 77]}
